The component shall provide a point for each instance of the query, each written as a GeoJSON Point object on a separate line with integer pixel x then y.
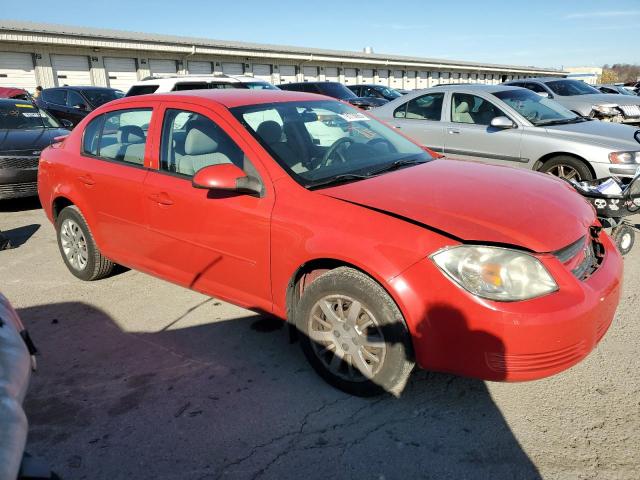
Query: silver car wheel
{"type": "Point", "coordinates": [74, 244]}
{"type": "Point", "coordinates": [346, 338]}
{"type": "Point", "coordinates": [565, 171]}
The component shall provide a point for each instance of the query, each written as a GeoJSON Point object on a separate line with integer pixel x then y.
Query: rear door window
{"type": "Point", "coordinates": [75, 100]}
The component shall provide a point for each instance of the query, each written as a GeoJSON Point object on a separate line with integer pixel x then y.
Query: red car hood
{"type": "Point", "coordinates": [476, 202]}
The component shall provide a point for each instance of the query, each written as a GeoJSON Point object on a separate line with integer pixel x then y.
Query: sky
{"type": "Point", "coordinates": [560, 33]}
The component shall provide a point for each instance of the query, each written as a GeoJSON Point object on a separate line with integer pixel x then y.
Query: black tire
{"type": "Point", "coordinates": [624, 238]}
{"type": "Point", "coordinates": [383, 321]}
{"type": "Point", "coordinates": [97, 266]}
{"type": "Point", "coordinates": [556, 164]}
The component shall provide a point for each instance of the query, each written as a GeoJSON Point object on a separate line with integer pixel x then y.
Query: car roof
{"type": "Point", "coordinates": [541, 79]}
{"type": "Point", "coordinates": [470, 87]}
{"type": "Point", "coordinates": [223, 77]}
{"type": "Point", "coordinates": [77, 87]}
{"type": "Point", "coordinates": [228, 98]}
{"type": "Point", "coordinates": [310, 83]}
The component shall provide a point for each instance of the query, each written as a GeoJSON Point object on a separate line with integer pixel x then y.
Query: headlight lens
{"type": "Point", "coordinates": [609, 109]}
{"type": "Point", "coordinates": [624, 157]}
{"type": "Point", "coordinates": [496, 273]}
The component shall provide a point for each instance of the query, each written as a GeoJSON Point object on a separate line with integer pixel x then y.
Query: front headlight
{"type": "Point", "coordinates": [624, 157]}
{"type": "Point", "coordinates": [496, 273]}
{"type": "Point", "coordinates": [606, 109]}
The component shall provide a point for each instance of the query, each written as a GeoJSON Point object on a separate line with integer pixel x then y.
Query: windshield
{"type": "Point", "coordinates": [100, 96]}
{"type": "Point", "coordinates": [538, 110]}
{"type": "Point", "coordinates": [318, 142]}
{"type": "Point", "coordinates": [569, 88]}
{"type": "Point", "coordinates": [260, 86]}
{"type": "Point", "coordinates": [23, 115]}
{"type": "Point", "coordinates": [336, 90]}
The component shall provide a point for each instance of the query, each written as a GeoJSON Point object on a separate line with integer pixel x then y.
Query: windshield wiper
{"type": "Point", "coordinates": [562, 121]}
{"type": "Point", "coordinates": [345, 177]}
{"type": "Point", "coordinates": [396, 165]}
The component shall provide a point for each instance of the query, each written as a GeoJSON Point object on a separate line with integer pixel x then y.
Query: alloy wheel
{"type": "Point", "coordinates": [74, 244]}
{"type": "Point", "coordinates": [565, 171]}
{"type": "Point", "coordinates": [346, 338]}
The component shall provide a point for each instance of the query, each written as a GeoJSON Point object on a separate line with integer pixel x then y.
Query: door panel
{"type": "Point", "coordinates": [211, 241]}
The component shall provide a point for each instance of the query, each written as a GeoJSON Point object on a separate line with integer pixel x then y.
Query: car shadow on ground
{"type": "Point", "coordinates": [233, 399]}
{"type": "Point", "coordinates": [20, 204]}
{"type": "Point", "coordinates": [19, 236]}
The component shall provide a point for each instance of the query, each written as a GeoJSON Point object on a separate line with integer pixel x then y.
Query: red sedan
{"type": "Point", "coordinates": [303, 207]}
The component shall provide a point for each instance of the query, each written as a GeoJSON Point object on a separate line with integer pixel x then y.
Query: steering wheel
{"type": "Point", "coordinates": [532, 117]}
{"type": "Point", "coordinates": [391, 147]}
{"type": "Point", "coordinates": [334, 149]}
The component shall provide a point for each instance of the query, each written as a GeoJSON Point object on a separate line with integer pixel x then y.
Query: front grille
{"type": "Point", "coordinates": [630, 110]}
{"type": "Point", "coordinates": [584, 256]}
{"type": "Point", "coordinates": [15, 190]}
{"type": "Point", "coordinates": [18, 163]}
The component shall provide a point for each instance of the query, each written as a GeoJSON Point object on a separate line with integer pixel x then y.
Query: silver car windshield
{"type": "Point", "coordinates": [538, 110]}
{"type": "Point", "coordinates": [324, 142]}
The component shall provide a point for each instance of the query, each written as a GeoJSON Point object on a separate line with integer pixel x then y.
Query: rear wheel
{"type": "Point", "coordinates": [353, 334]}
{"type": "Point", "coordinates": [567, 167]}
{"type": "Point", "coordinates": [78, 248]}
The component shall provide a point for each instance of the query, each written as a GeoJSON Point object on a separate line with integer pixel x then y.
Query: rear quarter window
{"type": "Point", "coordinates": [142, 90]}
{"type": "Point", "coordinates": [91, 136]}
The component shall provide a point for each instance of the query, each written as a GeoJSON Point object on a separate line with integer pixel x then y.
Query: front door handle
{"type": "Point", "coordinates": [161, 199]}
{"type": "Point", "coordinates": [454, 132]}
{"type": "Point", "coordinates": [397, 126]}
{"type": "Point", "coordinates": [87, 180]}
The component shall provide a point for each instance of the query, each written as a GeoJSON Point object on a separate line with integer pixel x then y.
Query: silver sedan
{"type": "Point", "coordinates": [514, 126]}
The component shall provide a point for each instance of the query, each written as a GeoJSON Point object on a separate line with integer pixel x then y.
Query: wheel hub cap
{"type": "Point", "coordinates": [74, 244]}
{"type": "Point", "coordinates": [346, 338]}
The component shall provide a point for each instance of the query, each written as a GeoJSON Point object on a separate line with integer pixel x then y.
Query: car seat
{"type": "Point", "coordinates": [201, 149]}
{"type": "Point", "coordinates": [461, 112]}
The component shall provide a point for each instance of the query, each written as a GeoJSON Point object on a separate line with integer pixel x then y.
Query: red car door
{"type": "Point", "coordinates": [211, 241]}
{"type": "Point", "coordinates": [109, 177]}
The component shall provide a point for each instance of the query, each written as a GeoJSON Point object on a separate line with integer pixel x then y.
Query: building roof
{"type": "Point", "coordinates": [16, 26]}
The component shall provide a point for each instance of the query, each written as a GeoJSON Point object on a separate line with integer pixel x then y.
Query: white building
{"type": "Point", "coordinates": [52, 55]}
{"type": "Point", "coordinates": [590, 75]}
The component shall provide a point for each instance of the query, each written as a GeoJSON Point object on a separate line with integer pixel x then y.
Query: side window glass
{"type": "Point", "coordinates": [191, 141]}
{"type": "Point", "coordinates": [57, 96]}
{"type": "Point", "coordinates": [124, 135]}
{"type": "Point", "coordinates": [534, 87]}
{"type": "Point", "coordinates": [74, 99]}
{"type": "Point", "coordinates": [473, 109]}
{"type": "Point", "coordinates": [401, 111]}
{"type": "Point", "coordinates": [91, 136]}
{"type": "Point", "coordinates": [425, 107]}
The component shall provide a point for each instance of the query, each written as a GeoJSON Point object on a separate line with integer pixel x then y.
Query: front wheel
{"type": "Point", "coordinates": [354, 335]}
{"type": "Point", "coordinates": [567, 167]}
{"type": "Point", "coordinates": [78, 248]}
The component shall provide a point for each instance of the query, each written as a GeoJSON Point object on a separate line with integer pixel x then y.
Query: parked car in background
{"type": "Point", "coordinates": [17, 93]}
{"type": "Point", "coordinates": [379, 254]}
{"type": "Point", "coordinates": [175, 83]}
{"type": "Point", "coordinates": [616, 89]}
{"type": "Point", "coordinates": [74, 103]}
{"type": "Point", "coordinates": [335, 90]}
{"type": "Point", "coordinates": [584, 99]}
{"type": "Point", "coordinates": [25, 130]}
{"type": "Point", "coordinates": [375, 91]}
{"type": "Point", "coordinates": [513, 126]}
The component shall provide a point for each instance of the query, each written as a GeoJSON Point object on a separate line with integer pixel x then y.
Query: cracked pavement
{"type": "Point", "coordinates": [139, 378]}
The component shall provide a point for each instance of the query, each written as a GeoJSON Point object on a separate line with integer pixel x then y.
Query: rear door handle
{"type": "Point", "coordinates": [161, 198]}
{"type": "Point", "coordinates": [452, 132]}
{"type": "Point", "coordinates": [87, 180]}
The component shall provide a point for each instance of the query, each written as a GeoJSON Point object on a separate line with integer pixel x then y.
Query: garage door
{"type": "Point", "coordinates": [383, 77]}
{"type": "Point", "coordinates": [199, 68]}
{"type": "Point", "coordinates": [367, 75]}
{"type": "Point", "coordinates": [396, 79]}
{"type": "Point", "coordinates": [232, 68]}
{"type": "Point", "coordinates": [411, 80]}
{"type": "Point", "coordinates": [310, 74]}
{"type": "Point", "coordinates": [287, 74]}
{"type": "Point", "coordinates": [423, 80]}
{"type": "Point", "coordinates": [71, 70]}
{"type": "Point", "coordinates": [262, 72]}
{"type": "Point", "coordinates": [121, 72]}
{"type": "Point", "coordinates": [331, 74]}
{"type": "Point", "coordinates": [350, 76]}
{"type": "Point", "coordinates": [16, 70]}
{"type": "Point", "coordinates": [162, 67]}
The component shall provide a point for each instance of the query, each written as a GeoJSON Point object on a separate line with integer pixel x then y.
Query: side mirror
{"type": "Point", "coordinates": [66, 123]}
{"type": "Point", "coordinates": [543, 94]}
{"type": "Point", "coordinates": [502, 123]}
{"type": "Point", "coordinates": [81, 106]}
{"type": "Point", "coordinates": [225, 176]}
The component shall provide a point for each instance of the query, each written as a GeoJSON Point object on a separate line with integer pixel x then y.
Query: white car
{"type": "Point", "coordinates": [174, 83]}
